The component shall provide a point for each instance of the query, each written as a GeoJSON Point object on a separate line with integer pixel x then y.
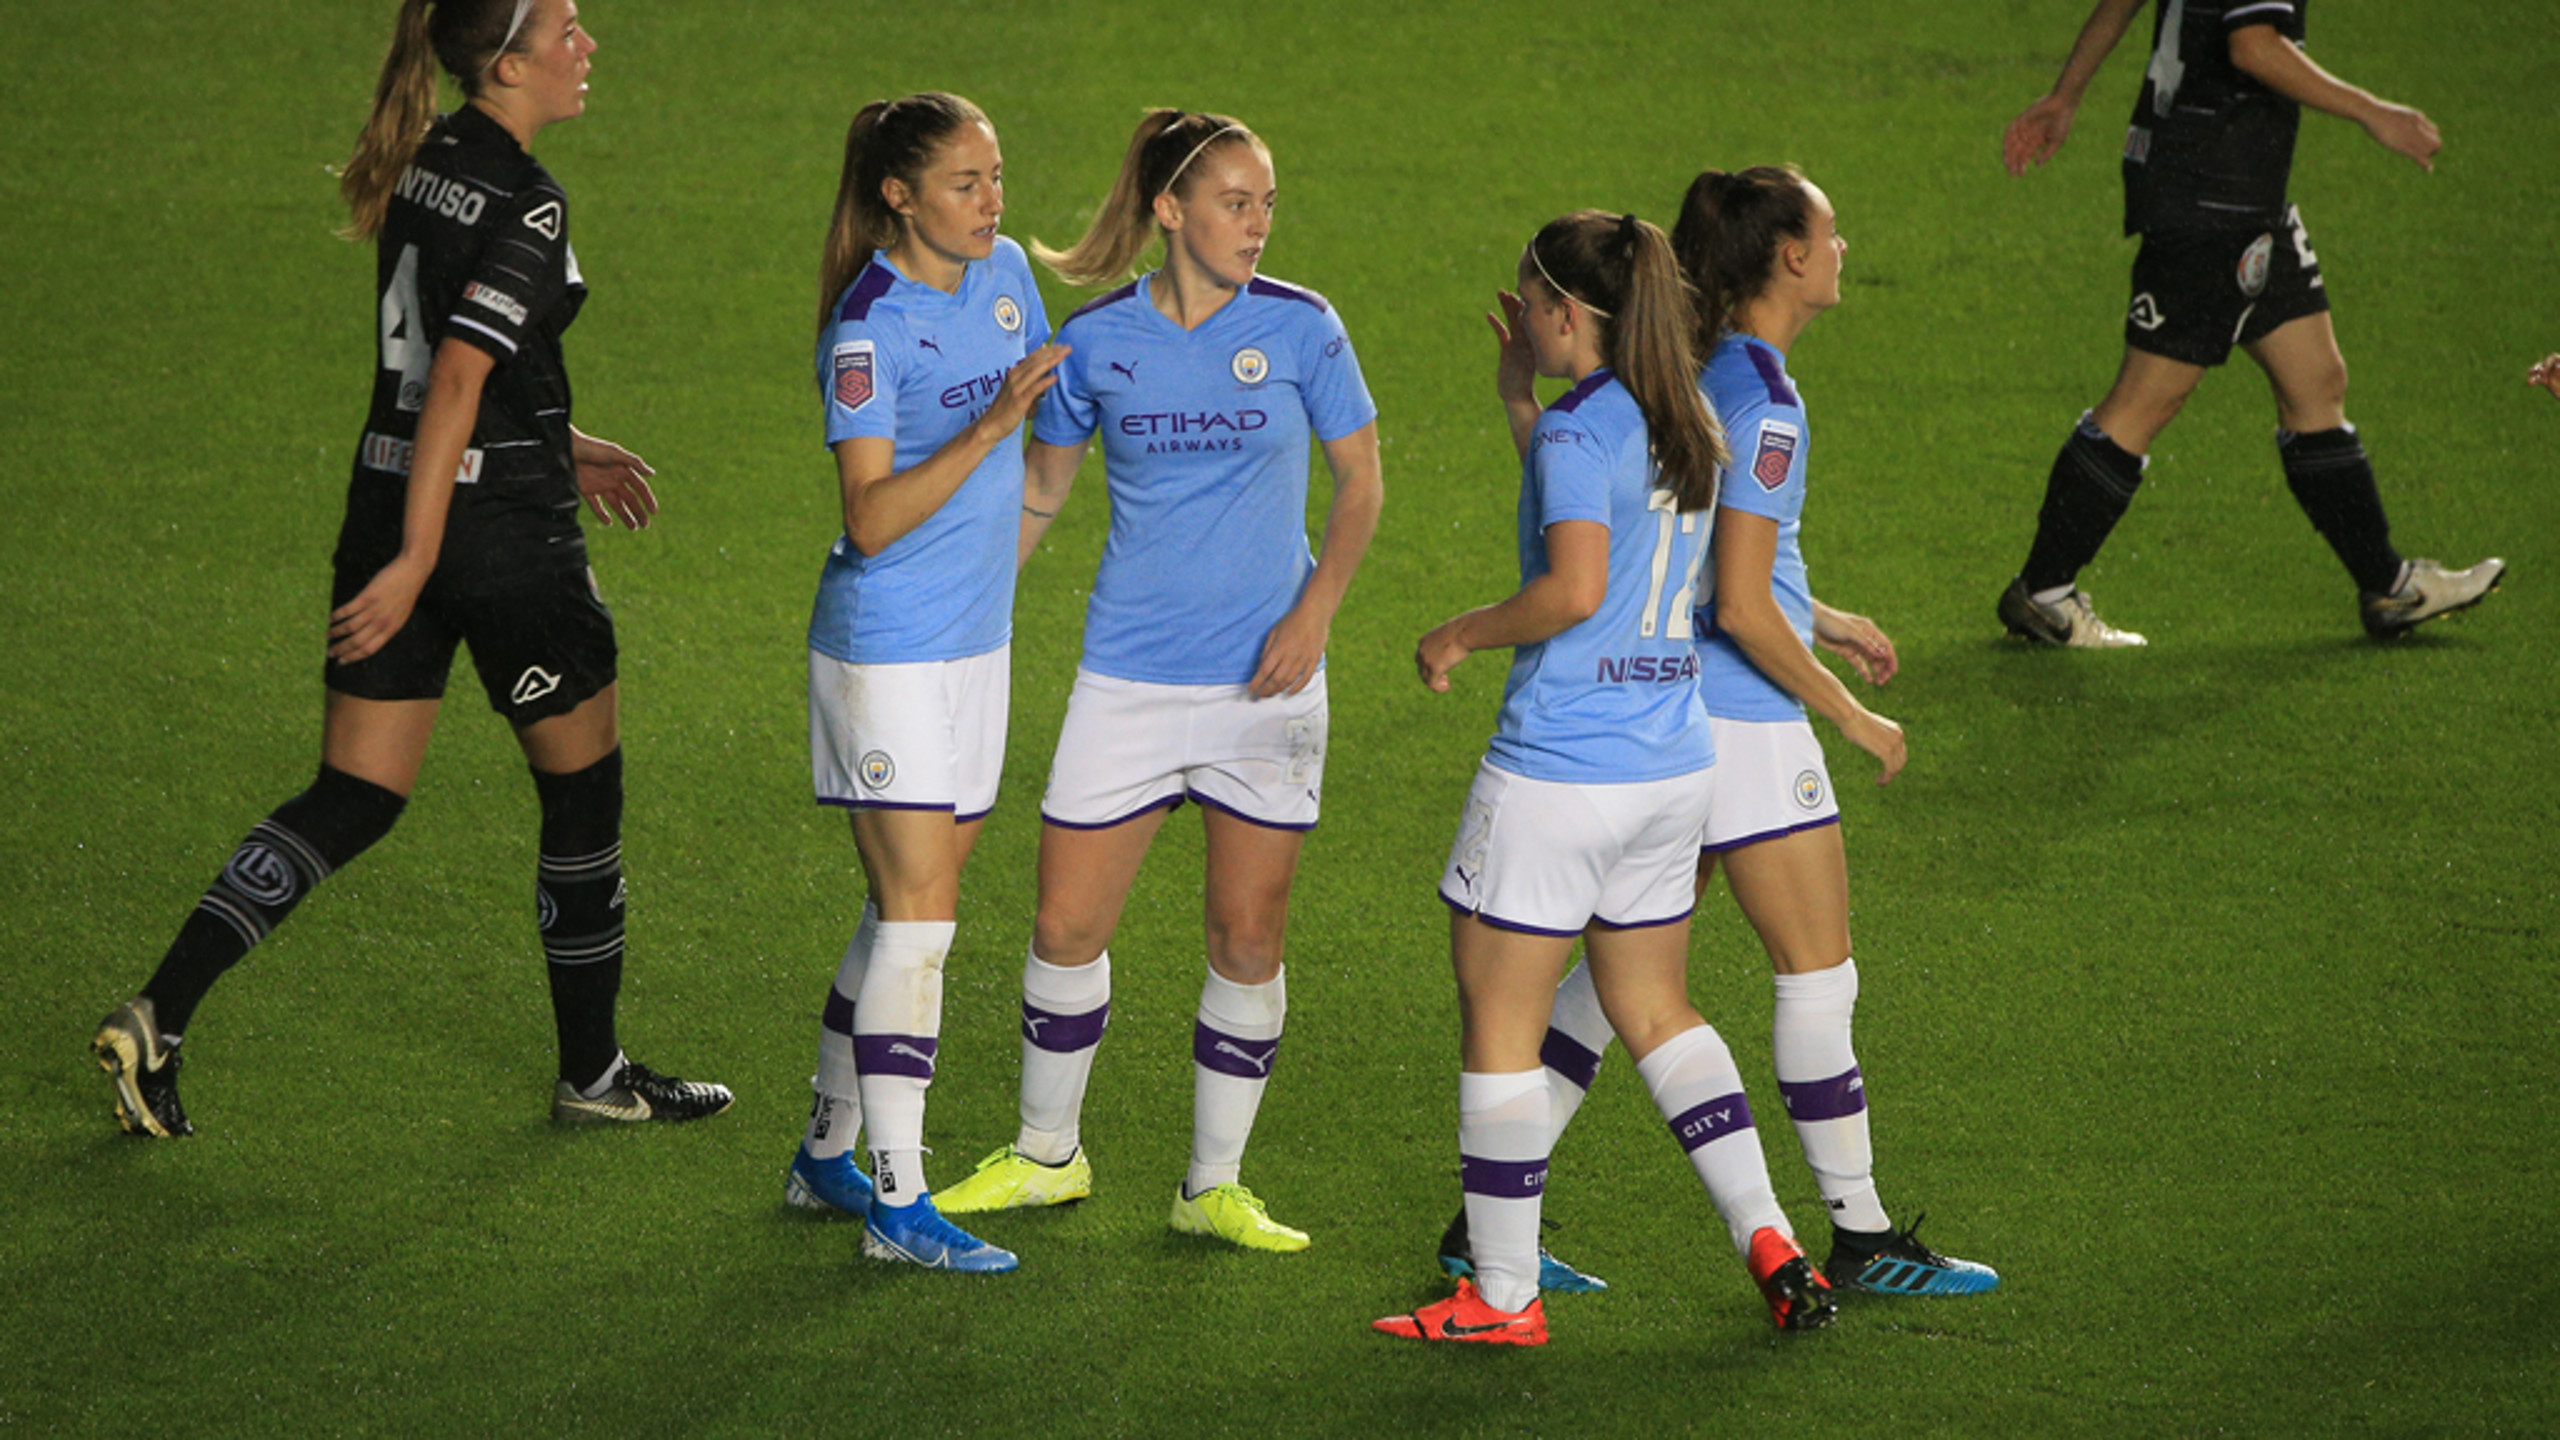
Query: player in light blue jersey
{"type": "Point", "coordinates": [1763, 251]}
{"type": "Point", "coordinates": [932, 348]}
{"type": "Point", "coordinates": [1584, 817]}
{"type": "Point", "coordinates": [1204, 641]}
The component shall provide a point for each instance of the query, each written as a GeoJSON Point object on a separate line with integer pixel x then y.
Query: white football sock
{"type": "Point", "coordinates": [897, 1028]}
{"type": "Point", "coordinates": [1502, 1163]}
{"type": "Point", "coordinates": [835, 1114]}
{"type": "Point", "coordinates": [1234, 1039]}
{"type": "Point", "coordinates": [1826, 1096]}
{"type": "Point", "coordinates": [1065, 1009]}
{"type": "Point", "coordinates": [1698, 1090]}
{"type": "Point", "coordinates": [1578, 1034]}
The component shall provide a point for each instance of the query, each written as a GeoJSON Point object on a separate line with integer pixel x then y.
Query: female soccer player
{"type": "Point", "coordinates": [1204, 641]}
{"type": "Point", "coordinates": [2224, 261]}
{"type": "Point", "coordinates": [1585, 815]}
{"type": "Point", "coordinates": [932, 347]}
{"type": "Point", "coordinates": [461, 527]}
{"type": "Point", "coordinates": [1762, 250]}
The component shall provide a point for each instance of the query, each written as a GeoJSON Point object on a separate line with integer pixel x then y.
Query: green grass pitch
{"type": "Point", "coordinates": [2210, 991]}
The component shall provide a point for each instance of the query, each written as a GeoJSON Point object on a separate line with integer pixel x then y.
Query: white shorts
{"type": "Point", "coordinates": [925, 736]}
{"type": "Point", "coordinates": [1550, 858]}
{"type": "Point", "coordinates": [1129, 747]}
{"type": "Point", "coordinates": [1770, 781]}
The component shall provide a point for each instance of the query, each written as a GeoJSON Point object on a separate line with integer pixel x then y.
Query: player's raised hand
{"type": "Point", "coordinates": [2403, 130]}
{"type": "Point", "coordinates": [614, 481]}
{"type": "Point", "coordinates": [2038, 131]}
{"type": "Point", "coordinates": [1024, 384]}
{"type": "Point", "coordinates": [2545, 373]}
{"type": "Point", "coordinates": [1515, 368]}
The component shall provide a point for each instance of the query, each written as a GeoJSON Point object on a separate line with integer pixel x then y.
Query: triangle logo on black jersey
{"type": "Point", "coordinates": [544, 219]}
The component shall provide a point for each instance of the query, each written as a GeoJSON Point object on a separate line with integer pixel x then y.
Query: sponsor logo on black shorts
{"type": "Point", "coordinates": [2146, 312]}
{"type": "Point", "coordinates": [532, 685]}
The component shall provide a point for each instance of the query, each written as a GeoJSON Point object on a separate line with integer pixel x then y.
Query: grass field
{"type": "Point", "coordinates": [2209, 990]}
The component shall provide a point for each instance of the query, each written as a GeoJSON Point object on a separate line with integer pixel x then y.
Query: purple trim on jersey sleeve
{"type": "Point", "coordinates": [1282, 290]}
{"type": "Point", "coordinates": [1773, 373]}
{"type": "Point", "coordinates": [1572, 399]}
{"type": "Point", "coordinates": [1498, 923]}
{"type": "Point", "coordinates": [1205, 803]}
{"type": "Point", "coordinates": [1643, 924]}
{"type": "Point", "coordinates": [1702, 1124]}
{"type": "Point", "coordinates": [1778, 834]}
{"type": "Point", "coordinates": [1064, 1034]}
{"type": "Point", "coordinates": [1837, 1098]}
{"type": "Point", "coordinates": [1502, 1179]}
{"type": "Point", "coordinates": [1167, 803]}
{"type": "Point", "coordinates": [908, 1055]}
{"type": "Point", "coordinates": [1568, 1057]}
{"type": "Point", "coordinates": [1214, 1049]}
{"type": "Point", "coordinates": [838, 1014]}
{"type": "Point", "coordinates": [867, 288]}
{"type": "Point", "coordinates": [1113, 298]}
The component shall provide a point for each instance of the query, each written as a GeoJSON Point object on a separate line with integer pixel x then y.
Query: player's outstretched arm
{"type": "Point", "coordinates": [614, 481]}
{"type": "Point", "coordinates": [2279, 64]}
{"type": "Point", "coordinates": [2041, 128]}
{"type": "Point", "coordinates": [2545, 373]}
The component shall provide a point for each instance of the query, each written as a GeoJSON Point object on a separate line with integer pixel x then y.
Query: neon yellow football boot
{"type": "Point", "coordinates": [1231, 1213]}
{"type": "Point", "coordinates": [1011, 1180]}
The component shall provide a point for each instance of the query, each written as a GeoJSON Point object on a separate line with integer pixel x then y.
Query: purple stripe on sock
{"type": "Point", "coordinates": [909, 1055]}
{"type": "Point", "coordinates": [1834, 1099]}
{"type": "Point", "coordinates": [1569, 1058]}
{"type": "Point", "coordinates": [1233, 1054]}
{"type": "Point", "coordinates": [1700, 1124]}
{"type": "Point", "coordinates": [1502, 1179]}
{"type": "Point", "coordinates": [838, 1015]}
{"type": "Point", "coordinates": [1064, 1034]}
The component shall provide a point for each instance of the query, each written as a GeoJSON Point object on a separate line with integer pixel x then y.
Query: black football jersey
{"type": "Point", "coordinates": [475, 247]}
{"type": "Point", "coordinates": [2210, 148]}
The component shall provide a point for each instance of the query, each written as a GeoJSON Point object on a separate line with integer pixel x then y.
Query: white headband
{"type": "Point", "coordinates": [1552, 285]}
{"type": "Point", "coordinates": [523, 8]}
{"type": "Point", "coordinates": [1214, 138]}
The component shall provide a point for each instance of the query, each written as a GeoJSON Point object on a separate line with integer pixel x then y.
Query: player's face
{"type": "Point", "coordinates": [953, 209]}
{"type": "Point", "coordinates": [1822, 268]}
{"type": "Point", "coordinates": [552, 68]}
{"type": "Point", "coordinates": [1546, 316]}
{"type": "Point", "coordinates": [1223, 216]}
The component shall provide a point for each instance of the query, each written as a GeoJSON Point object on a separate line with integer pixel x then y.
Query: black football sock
{"type": "Point", "coordinates": [283, 859]}
{"type": "Point", "coordinates": [2333, 483]}
{"type": "Point", "coordinates": [578, 891]}
{"type": "Point", "coordinates": [2092, 483]}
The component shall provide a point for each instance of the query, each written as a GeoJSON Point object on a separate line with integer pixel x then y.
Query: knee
{"type": "Point", "coordinates": [2315, 400]}
{"type": "Point", "coordinates": [1066, 938]}
{"type": "Point", "coordinates": [1247, 948]}
{"type": "Point", "coordinates": [341, 816]}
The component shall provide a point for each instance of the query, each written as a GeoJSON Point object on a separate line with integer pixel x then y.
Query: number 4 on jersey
{"type": "Point", "coordinates": [404, 335]}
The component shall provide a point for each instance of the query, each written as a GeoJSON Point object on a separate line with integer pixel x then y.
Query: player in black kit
{"type": "Point", "coordinates": [2224, 261]}
{"type": "Point", "coordinates": [461, 528]}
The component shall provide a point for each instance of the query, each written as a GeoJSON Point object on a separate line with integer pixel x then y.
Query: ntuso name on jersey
{"type": "Point", "coordinates": [453, 199]}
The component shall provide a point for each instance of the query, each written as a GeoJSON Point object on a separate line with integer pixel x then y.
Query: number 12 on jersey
{"type": "Point", "coordinates": [1669, 521]}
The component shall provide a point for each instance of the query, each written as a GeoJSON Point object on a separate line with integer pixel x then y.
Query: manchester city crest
{"type": "Point", "coordinates": [1009, 315]}
{"type": "Point", "coordinates": [1250, 366]}
{"type": "Point", "coordinates": [878, 770]}
{"type": "Point", "coordinates": [1809, 789]}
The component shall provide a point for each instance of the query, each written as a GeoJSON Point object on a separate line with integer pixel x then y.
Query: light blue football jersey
{"type": "Point", "coordinates": [1746, 381]}
{"type": "Point", "coordinates": [1205, 445]}
{"type": "Point", "coordinates": [906, 362]}
{"type": "Point", "coordinates": [1613, 700]}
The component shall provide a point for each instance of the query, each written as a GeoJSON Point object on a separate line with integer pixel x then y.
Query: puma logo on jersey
{"type": "Point", "coordinates": [1130, 370]}
{"type": "Point", "coordinates": [924, 344]}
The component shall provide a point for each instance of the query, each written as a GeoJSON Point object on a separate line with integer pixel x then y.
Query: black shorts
{"type": "Point", "coordinates": [542, 648]}
{"type": "Point", "coordinates": [2197, 293]}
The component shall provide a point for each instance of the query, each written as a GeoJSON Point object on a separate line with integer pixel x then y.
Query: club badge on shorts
{"type": "Point", "coordinates": [878, 770]}
{"type": "Point", "coordinates": [1008, 315]}
{"type": "Point", "coordinates": [1809, 789]}
{"type": "Point", "coordinates": [1250, 366]}
{"type": "Point", "coordinates": [2253, 265]}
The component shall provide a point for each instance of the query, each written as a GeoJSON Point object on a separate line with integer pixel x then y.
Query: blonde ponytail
{"type": "Point", "coordinates": [404, 103]}
{"type": "Point", "coordinates": [1166, 149]}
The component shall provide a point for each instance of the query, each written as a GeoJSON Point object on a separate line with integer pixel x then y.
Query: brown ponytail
{"type": "Point", "coordinates": [887, 138]}
{"type": "Point", "coordinates": [1728, 237]}
{"type": "Point", "coordinates": [1622, 271]}
{"type": "Point", "coordinates": [466, 37]}
{"type": "Point", "coordinates": [1165, 151]}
